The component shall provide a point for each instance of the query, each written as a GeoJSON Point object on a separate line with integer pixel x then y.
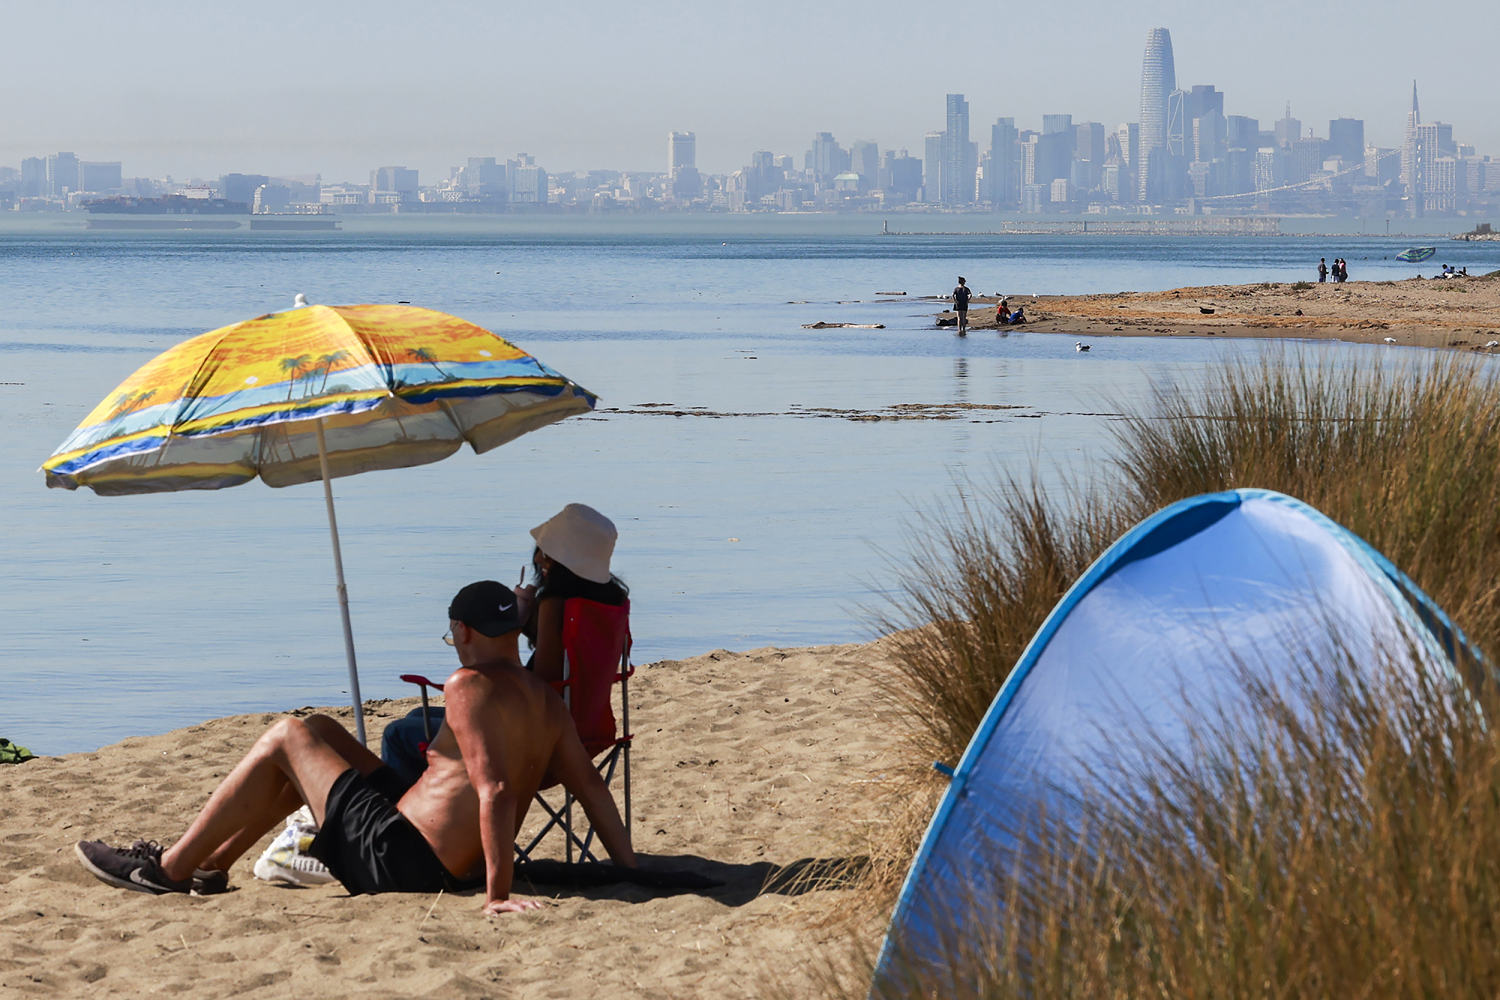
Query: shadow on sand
{"type": "Point", "coordinates": [673, 874]}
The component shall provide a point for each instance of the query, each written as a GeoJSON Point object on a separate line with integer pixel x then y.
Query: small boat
{"type": "Point", "coordinates": [1416, 255]}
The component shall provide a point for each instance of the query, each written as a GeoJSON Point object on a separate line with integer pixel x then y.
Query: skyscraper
{"type": "Point", "coordinates": [1346, 140]}
{"type": "Point", "coordinates": [681, 151]}
{"type": "Point", "coordinates": [62, 174]}
{"type": "Point", "coordinates": [932, 167]}
{"type": "Point", "coordinates": [1158, 80]}
{"type": "Point", "coordinates": [1409, 146]}
{"type": "Point", "coordinates": [1004, 175]}
{"type": "Point", "coordinates": [827, 159]}
{"type": "Point", "coordinates": [864, 159]}
{"type": "Point", "coordinates": [957, 187]}
{"type": "Point", "coordinates": [1179, 123]}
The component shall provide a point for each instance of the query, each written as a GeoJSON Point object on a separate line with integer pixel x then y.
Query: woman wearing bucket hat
{"type": "Point", "coordinates": [573, 549]}
{"type": "Point", "coordinates": [571, 559]}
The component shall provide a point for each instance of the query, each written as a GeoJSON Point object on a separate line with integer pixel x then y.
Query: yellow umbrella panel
{"type": "Point", "coordinates": [392, 386]}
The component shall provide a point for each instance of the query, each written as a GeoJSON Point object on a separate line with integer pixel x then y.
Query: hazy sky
{"type": "Point", "coordinates": [337, 87]}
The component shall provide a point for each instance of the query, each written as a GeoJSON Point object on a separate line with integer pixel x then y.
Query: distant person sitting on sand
{"type": "Point", "coordinates": [1018, 317]}
{"type": "Point", "coordinates": [1002, 312]}
{"type": "Point", "coordinates": [505, 734]}
{"type": "Point", "coordinates": [961, 296]}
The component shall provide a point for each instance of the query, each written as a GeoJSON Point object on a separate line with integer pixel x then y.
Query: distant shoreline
{"type": "Point", "coordinates": [1458, 313]}
{"type": "Point", "coordinates": [939, 225]}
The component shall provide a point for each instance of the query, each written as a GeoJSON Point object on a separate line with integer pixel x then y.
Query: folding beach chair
{"type": "Point", "coordinates": [596, 657]}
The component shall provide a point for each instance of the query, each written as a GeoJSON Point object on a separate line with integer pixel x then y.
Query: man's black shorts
{"type": "Point", "coordinates": [368, 845]}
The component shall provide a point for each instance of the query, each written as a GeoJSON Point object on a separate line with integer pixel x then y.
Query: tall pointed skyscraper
{"type": "Point", "coordinates": [1158, 80]}
{"type": "Point", "coordinates": [1409, 146]}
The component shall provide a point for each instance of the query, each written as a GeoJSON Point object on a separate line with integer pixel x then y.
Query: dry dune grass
{"type": "Point", "coordinates": [1354, 853]}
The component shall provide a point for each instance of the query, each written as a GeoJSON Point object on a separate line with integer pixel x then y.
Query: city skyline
{"type": "Point", "coordinates": [1185, 153]}
{"type": "Point", "coordinates": [276, 90]}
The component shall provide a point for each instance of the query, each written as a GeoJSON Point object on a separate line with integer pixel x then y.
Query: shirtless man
{"type": "Point", "coordinates": [505, 735]}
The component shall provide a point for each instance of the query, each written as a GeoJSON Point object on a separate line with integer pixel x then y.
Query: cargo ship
{"type": "Point", "coordinates": [176, 211]}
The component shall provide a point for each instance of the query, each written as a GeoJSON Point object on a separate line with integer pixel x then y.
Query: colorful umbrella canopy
{"type": "Point", "coordinates": [313, 393]}
{"type": "Point", "coordinates": [390, 387]}
{"type": "Point", "coordinates": [1416, 254]}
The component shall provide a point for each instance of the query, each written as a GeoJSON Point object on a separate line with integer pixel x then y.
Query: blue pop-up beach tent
{"type": "Point", "coordinates": [1162, 626]}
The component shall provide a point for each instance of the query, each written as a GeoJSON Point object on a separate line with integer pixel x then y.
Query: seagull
{"type": "Point", "coordinates": [299, 301]}
{"type": "Point", "coordinates": [1390, 340]}
{"type": "Point", "coordinates": [1080, 346]}
{"type": "Point", "coordinates": [1493, 343]}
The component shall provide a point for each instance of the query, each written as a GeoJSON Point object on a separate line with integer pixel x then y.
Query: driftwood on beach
{"type": "Point", "coordinates": [820, 325]}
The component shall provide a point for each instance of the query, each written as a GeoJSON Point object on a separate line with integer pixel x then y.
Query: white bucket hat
{"type": "Point", "coordinates": [580, 538]}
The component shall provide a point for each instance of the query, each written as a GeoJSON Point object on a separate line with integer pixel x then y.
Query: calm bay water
{"type": "Point", "coordinates": [766, 523]}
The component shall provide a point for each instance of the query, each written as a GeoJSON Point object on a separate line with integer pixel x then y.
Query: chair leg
{"type": "Point", "coordinates": [626, 751]}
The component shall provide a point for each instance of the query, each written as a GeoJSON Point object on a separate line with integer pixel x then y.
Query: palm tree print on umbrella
{"type": "Point", "coordinates": [426, 356]}
{"type": "Point", "coordinates": [326, 364]}
{"type": "Point", "coordinates": [297, 369]}
{"type": "Point", "coordinates": [128, 402]}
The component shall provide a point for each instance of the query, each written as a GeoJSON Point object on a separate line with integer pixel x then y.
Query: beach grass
{"type": "Point", "coordinates": [1357, 852]}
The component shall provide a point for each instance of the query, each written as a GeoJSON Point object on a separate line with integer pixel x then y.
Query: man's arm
{"type": "Point", "coordinates": [573, 768]}
{"type": "Point", "coordinates": [467, 696]}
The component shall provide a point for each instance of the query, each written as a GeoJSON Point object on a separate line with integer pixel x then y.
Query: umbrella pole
{"type": "Point", "coordinates": [338, 568]}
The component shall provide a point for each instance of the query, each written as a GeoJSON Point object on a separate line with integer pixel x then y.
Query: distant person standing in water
{"type": "Point", "coordinates": [1322, 270]}
{"type": "Point", "coordinates": [961, 306]}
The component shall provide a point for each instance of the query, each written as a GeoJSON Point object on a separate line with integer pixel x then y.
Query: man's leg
{"type": "Point", "coordinates": [296, 761]}
{"type": "Point", "coordinates": [336, 736]}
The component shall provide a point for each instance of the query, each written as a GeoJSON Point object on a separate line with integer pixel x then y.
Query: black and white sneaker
{"type": "Point", "coordinates": [137, 867]}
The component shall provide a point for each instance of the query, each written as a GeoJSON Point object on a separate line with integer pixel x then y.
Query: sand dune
{"type": "Point", "coordinates": [747, 766]}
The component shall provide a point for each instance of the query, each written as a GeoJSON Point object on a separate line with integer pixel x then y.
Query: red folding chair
{"type": "Point", "coordinates": [596, 657]}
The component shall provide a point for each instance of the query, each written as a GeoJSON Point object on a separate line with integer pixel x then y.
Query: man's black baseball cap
{"type": "Point", "coordinates": [487, 607]}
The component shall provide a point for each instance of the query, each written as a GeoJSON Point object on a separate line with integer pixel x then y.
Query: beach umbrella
{"type": "Point", "coordinates": [316, 392]}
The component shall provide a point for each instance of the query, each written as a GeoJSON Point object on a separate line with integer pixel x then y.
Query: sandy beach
{"type": "Point", "coordinates": [1461, 313]}
{"type": "Point", "coordinates": [747, 766]}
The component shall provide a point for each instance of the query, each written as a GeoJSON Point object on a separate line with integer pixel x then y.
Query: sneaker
{"type": "Point", "coordinates": [210, 881]}
{"type": "Point", "coordinates": [136, 867]}
{"type": "Point", "coordinates": [287, 860]}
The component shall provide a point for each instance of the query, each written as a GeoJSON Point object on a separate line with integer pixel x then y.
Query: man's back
{"type": "Point", "coordinates": [527, 740]}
